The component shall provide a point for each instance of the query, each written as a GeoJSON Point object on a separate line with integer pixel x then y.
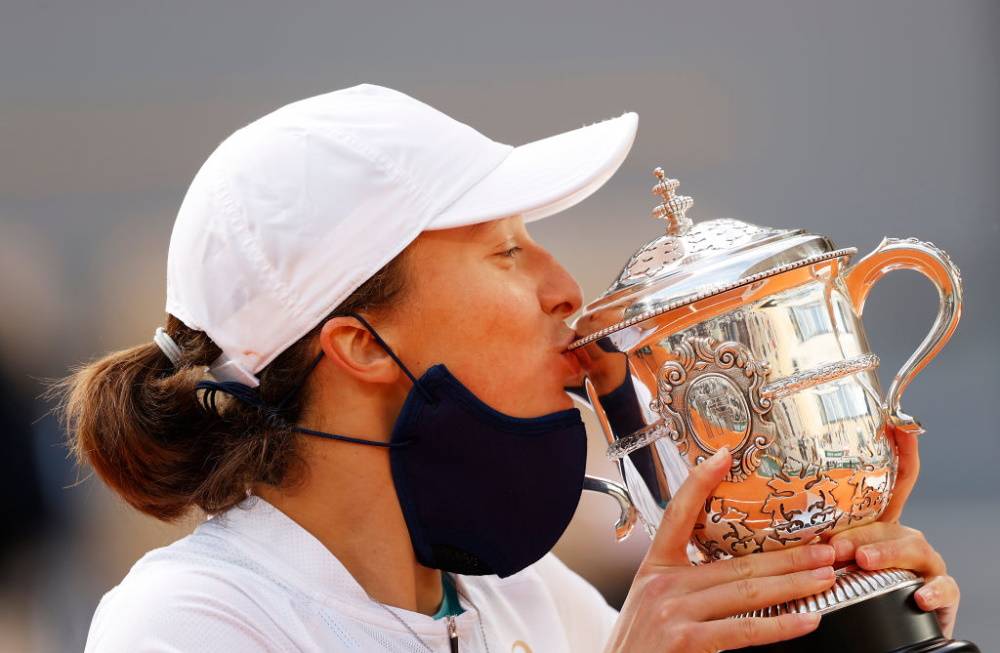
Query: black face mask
{"type": "Point", "coordinates": [482, 492]}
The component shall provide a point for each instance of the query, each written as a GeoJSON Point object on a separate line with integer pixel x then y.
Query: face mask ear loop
{"type": "Point", "coordinates": [392, 354]}
{"type": "Point", "coordinates": [347, 438]}
{"type": "Point", "coordinates": [240, 391]}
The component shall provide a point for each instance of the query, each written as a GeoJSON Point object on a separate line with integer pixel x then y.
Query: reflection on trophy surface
{"type": "Point", "coordinates": [726, 334]}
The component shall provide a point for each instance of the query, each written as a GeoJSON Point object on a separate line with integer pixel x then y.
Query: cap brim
{"type": "Point", "coordinates": [546, 176]}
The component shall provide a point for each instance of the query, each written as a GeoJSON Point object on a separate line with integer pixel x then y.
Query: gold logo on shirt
{"type": "Point", "coordinates": [520, 647]}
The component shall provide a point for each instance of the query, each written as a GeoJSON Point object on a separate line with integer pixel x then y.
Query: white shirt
{"type": "Point", "coordinates": [252, 579]}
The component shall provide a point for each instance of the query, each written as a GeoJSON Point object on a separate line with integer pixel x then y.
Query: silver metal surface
{"type": "Point", "coordinates": [935, 264]}
{"type": "Point", "coordinates": [822, 374]}
{"type": "Point", "coordinates": [673, 208]}
{"type": "Point", "coordinates": [693, 260]}
{"type": "Point", "coordinates": [852, 585]}
{"type": "Point", "coordinates": [627, 518]}
{"type": "Point", "coordinates": [590, 320]}
{"type": "Point", "coordinates": [768, 358]}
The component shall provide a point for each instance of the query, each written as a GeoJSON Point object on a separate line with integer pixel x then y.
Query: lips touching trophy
{"type": "Point", "coordinates": [724, 333]}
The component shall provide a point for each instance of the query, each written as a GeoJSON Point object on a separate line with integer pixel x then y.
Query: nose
{"type": "Point", "coordinates": [558, 293]}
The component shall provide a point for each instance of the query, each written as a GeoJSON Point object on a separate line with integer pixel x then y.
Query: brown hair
{"type": "Point", "coordinates": [139, 423]}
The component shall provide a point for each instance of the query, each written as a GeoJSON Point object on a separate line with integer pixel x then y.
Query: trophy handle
{"type": "Point", "coordinates": [617, 491]}
{"type": "Point", "coordinates": [911, 254]}
{"type": "Point", "coordinates": [626, 520]}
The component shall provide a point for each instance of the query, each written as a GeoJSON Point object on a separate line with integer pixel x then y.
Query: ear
{"type": "Point", "coordinates": [351, 347]}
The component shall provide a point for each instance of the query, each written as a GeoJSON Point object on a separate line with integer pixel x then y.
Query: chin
{"type": "Point", "coordinates": [563, 401]}
{"type": "Point", "coordinates": [545, 401]}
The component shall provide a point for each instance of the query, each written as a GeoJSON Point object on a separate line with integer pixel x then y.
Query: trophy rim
{"type": "Point", "coordinates": [709, 292]}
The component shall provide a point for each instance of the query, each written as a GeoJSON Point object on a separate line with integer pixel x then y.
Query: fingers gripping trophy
{"type": "Point", "coordinates": [727, 334]}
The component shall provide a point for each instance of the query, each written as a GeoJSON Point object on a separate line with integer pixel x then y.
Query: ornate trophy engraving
{"type": "Point", "coordinates": [722, 333]}
{"type": "Point", "coordinates": [711, 398]}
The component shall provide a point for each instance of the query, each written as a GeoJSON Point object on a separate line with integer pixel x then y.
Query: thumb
{"type": "Point", "coordinates": [669, 547]}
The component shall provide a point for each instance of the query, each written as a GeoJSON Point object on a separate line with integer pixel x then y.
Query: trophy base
{"type": "Point", "coordinates": [884, 622]}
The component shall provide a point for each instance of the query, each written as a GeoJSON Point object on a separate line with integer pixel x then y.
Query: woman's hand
{"type": "Point", "coordinates": [880, 545]}
{"type": "Point", "coordinates": [674, 606]}
{"type": "Point", "coordinates": [886, 543]}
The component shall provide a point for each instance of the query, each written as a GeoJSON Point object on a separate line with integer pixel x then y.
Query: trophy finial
{"type": "Point", "coordinates": [672, 208]}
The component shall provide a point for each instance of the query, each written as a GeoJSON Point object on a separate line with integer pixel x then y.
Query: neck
{"type": "Point", "coordinates": [347, 501]}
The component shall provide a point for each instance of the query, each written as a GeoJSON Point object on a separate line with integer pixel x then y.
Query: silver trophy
{"type": "Point", "coordinates": [724, 333]}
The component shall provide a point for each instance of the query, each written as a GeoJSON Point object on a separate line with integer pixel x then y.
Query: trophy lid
{"type": "Point", "coordinates": [693, 261]}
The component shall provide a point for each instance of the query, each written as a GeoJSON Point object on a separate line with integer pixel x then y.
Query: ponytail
{"type": "Point", "coordinates": [138, 422]}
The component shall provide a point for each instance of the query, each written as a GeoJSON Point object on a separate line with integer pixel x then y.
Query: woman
{"type": "Point", "coordinates": [387, 347]}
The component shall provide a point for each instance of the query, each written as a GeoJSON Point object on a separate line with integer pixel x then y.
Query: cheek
{"type": "Point", "coordinates": [515, 371]}
{"type": "Point", "coordinates": [494, 312]}
{"type": "Point", "coordinates": [507, 354]}
{"type": "Point", "coordinates": [492, 334]}
{"type": "Point", "coordinates": [492, 338]}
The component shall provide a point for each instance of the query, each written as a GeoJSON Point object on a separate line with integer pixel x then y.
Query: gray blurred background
{"type": "Point", "coordinates": [853, 119]}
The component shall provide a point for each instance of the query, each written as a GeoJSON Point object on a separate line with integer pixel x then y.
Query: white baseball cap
{"type": "Point", "coordinates": [296, 210]}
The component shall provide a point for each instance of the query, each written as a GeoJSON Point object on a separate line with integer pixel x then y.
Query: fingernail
{"type": "Point", "coordinates": [823, 573]}
{"type": "Point", "coordinates": [869, 556]}
{"type": "Point", "coordinates": [844, 548]}
{"type": "Point", "coordinates": [808, 618]}
{"type": "Point", "coordinates": [822, 553]}
{"type": "Point", "coordinates": [928, 596]}
{"type": "Point", "coordinates": [718, 457]}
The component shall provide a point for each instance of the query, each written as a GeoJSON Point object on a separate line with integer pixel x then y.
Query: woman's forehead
{"type": "Point", "coordinates": [491, 226]}
{"type": "Point", "coordinates": [477, 232]}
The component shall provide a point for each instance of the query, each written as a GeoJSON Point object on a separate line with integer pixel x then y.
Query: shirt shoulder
{"type": "Point", "coordinates": [176, 599]}
{"type": "Point", "coordinates": [586, 614]}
